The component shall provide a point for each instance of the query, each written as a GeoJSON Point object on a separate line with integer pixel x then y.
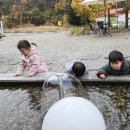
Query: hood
{"type": "Point", "coordinates": [32, 52]}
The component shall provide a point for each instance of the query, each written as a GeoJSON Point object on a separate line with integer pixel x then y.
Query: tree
{"type": "Point", "coordinates": [61, 5]}
{"type": "Point", "coordinates": [5, 8]}
{"type": "Point", "coordinates": [126, 6]}
{"type": "Point", "coordinates": [15, 15]}
{"type": "Point", "coordinates": [30, 12]}
{"type": "Point", "coordinates": [36, 17]}
{"type": "Point", "coordinates": [88, 13]}
{"type": "Point", "coordinates": [73, 19]}
{"type": "Point", "coordinates": [60, 9]}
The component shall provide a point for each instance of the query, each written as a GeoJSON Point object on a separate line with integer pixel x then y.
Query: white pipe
{"type": "Point", "coordinates": [2, 29]}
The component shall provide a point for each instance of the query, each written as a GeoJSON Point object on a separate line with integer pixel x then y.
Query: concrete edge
{"type": "Point", "coordinates": [41, 77]}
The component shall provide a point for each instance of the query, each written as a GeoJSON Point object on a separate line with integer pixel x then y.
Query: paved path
{"type": "Point", "coordinates": [58, 48]}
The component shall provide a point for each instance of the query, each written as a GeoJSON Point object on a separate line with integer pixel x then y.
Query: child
{"type": "Point", "coordinates": [77, 69]}
{"type": "Point", "coordinates": [117, 65]}
{"type": "Point", "coordinates": [30, 60]}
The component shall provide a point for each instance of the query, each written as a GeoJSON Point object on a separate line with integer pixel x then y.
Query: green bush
{"type": "Point", "coordinates": [7, 22]}
{"type": "Point", "coordinates": [72, 18]}
{"type": "Point", "coordinates": [48, 15]}
{"type": "Point", "coordinates": [78, 31]}
{"type": "Point", "coordinates": [37, 17]}
{"type": "Point", "coordinates": [37, 20]}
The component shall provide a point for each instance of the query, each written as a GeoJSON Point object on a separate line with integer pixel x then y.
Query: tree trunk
{"type": "Point", "coordinates": [109, 21]}
{"type": "Point", "coordinates": [126, 16]}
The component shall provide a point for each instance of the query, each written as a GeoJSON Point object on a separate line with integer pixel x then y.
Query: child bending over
{"type": "Point", "coordinates": [30, 60]}
{"type": "Point", "coordinates": [117, 65]}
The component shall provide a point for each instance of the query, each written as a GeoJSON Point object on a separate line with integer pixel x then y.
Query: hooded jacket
{"type": "Point", "coordinates": [33, 63]}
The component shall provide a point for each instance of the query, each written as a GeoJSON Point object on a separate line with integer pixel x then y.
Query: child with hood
{"type": "Point", "coordinates": [30, 60]}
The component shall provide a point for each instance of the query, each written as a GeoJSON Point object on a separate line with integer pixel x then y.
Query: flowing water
{"type": "Point", "coordinates": [23, 107]}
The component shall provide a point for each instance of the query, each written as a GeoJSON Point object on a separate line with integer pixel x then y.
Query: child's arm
{"type": "Point", "coordinates": [68, 67]}
{"type": "Point", "coordinates": [35, 65]}
{"type": "Point", "coordinates": [21, 68]}
{"type": "Point", "coordinates": [102, 73]}
{"type": "Point", "coordinates": [129, 64]}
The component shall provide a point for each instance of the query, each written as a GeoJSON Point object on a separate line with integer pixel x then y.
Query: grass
{"type": "Point", "coordinates": [73, 30]}
{"type": "Point", "coordinates": [29, 28]}
{"type": "Point", "coordinates": [76, 31]}
{"type": "Point", "coordinates": [32, 29]}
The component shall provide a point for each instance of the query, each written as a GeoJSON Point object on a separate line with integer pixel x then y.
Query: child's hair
{"type": "Point", "coordinates": [24, 44]}
{"type": "Point", "coordinates": [78, 69]}
{"type": "Point", "coordinates": [115, 56]}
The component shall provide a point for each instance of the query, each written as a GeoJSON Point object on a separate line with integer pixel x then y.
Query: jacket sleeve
{"type": "Point", "coordinates": [68, 67]}
{"type": "Point", "coordinates": [128, 60]}
{"type": "Point", "coordinates": [35, 64]}
{"type": "Point", "coordinates": [103, 70]}
{"type": "Point", "coordinates": [21, 68]}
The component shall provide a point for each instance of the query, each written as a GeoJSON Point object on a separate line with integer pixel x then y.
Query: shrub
{"type": "Point", "coordinates": [48, 23]}
{"type": "Point", "coordinates": [7, 22]}
{"type": "Point", "coordinates": [37, 20]}
{"type": "Point", "coordinates": [79, 31]}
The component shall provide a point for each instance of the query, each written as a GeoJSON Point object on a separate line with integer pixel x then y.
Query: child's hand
{"type": "Point", "coordinates": [102, 76]}
{"type": "Point", "coordinates": [17, 75]}
{"type": "Point", "coordinates": [28, 76]}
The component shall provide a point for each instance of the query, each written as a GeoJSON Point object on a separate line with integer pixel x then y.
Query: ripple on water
{"type": "Point", "coordinates": [23, 107]}
{"type": "Point", "coordinates": [113, 102]}
{"type": "Point", "coordinates": [20, 108]}
{"type": "Point", "coordinates": [106, 98]}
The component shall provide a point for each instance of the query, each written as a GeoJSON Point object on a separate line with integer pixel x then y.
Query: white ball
{"type": "Point", "coordinates": [73, 113]}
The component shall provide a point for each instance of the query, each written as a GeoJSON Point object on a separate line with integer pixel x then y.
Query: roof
{"type": "Point", "coordinates": [119, 10]}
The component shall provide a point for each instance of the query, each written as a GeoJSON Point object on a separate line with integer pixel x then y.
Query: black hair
{"type": "Point", "coordinates": [115, 56]}
{"type": "Point", "coordinates": [24, 44]}
{"type": "Point", "coordinates": [78, 69]}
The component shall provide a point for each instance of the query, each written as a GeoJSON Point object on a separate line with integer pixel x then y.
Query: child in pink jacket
{"type": "Point", "coordinates": [30, 60]}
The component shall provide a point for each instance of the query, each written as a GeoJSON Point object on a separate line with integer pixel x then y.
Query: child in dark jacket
{"type": "Point", "coordinates": [117, 66]}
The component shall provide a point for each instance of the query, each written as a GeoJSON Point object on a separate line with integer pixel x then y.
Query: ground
{"type": "Point", "coordinates": [58, 48]}
{"type": "Point", "coordinates": [22, 107]}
